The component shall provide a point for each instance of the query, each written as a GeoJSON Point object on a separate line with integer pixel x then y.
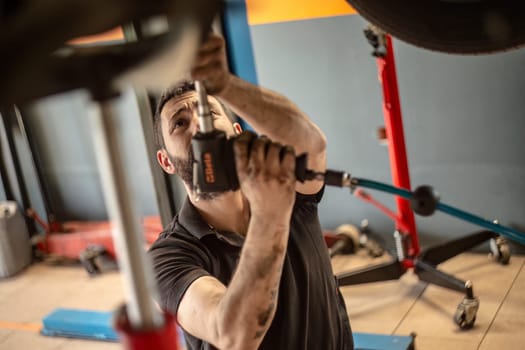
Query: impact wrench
{"type": "Point", "coordinates": [214, 163]}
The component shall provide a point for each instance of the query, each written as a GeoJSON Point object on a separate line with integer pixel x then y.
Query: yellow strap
{"type": "Point", "coordinates": [271, 11]}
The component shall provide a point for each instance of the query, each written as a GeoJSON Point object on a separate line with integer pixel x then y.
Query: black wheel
{"type": "Point", "coordinates": [504, 252]}
{"type": "Point", "coordinates": [351, 232]}
{"type": "Point", "coordinates": [465, 315]}
{"type": "Point", "coordinates": [461, 319]}
{"type": "Point", "coordinates": [452, 26]}
{"type": "Point", "coordinates": [500, 250]}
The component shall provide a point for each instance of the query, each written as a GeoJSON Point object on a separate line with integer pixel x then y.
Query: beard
{"type": "Point", "coordinates": [184, 168]}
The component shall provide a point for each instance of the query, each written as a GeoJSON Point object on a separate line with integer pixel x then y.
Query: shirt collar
{"type": "Point", "coordinates": [190, 219]}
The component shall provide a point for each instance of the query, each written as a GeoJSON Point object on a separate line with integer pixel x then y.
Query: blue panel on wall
{"type": "Point", "coordinates": [239, 42]}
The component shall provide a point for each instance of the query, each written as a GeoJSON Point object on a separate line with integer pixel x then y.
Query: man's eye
{"type": "Point", "coordinates": [215, 115]}
{"type": "Point", "coordinates": [179, 123]}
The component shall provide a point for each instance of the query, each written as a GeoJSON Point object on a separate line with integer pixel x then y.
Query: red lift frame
{"type": "Point", "coordinates": [397, 149]}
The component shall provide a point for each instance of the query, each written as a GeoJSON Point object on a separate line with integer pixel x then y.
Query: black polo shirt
{"type": "Point", "coordinates": [310, 311]}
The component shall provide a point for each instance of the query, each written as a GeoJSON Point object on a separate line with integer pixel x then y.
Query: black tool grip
{"type": "Point", "coordinates": [215, 163]}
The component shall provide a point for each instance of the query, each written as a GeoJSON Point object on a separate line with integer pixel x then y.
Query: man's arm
{"type": "Point", "coordinates": [266, 111]}
{"type": "Point", "coordinates": [239, 316]}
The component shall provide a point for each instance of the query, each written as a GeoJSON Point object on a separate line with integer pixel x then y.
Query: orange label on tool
{"type": "Point", "coordinates": [209, 172]}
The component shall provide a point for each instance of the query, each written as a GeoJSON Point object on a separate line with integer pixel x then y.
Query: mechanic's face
{"type": "Point", "coordinates": [179, 122]}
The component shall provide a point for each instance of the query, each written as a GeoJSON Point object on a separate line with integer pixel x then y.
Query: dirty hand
{"type": "Point", "coordinates": [211, 65]}
{"type": "Point", "coordinates": [266, 172]}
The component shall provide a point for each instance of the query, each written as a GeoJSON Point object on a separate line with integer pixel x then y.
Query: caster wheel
{"type": "Point", "coordinates": [500, 250]}
{"type": "Point", "coordinates": [373, 248]}
{"type": "Point", "coordinates": [465, 315]}
{"type": "Point", "coordinates": [351, 232]}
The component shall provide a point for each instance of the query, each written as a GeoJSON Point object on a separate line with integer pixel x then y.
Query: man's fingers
{"type": "Point", "coordinates": [288, 160]}
{"type": "Point", "coordinates": [273, 160]}
{"type": "Point", "coordinates": [241, 147]}
{"type": "Point", "coordinates": [205, 70]}
{"type": "Point", "coordinates": [205, 58]}
{"type": "Point", "coordinates": [258, 155]}
{"type": "Point", "coordinates": [212, 43]}
{"type": "Point", "coordinates": [210, 65]}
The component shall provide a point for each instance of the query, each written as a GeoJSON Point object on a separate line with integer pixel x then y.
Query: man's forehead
{"type": "Point", "coordinates": [187, 98]}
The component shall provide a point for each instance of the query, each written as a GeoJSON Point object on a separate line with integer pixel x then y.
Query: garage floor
{"type": "Point", "coordinates": [396, 307]}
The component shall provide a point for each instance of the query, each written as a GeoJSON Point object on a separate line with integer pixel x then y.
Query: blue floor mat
{"type": "Point", "coordinates": [369, 341]}
{"type": "Point", "coordinates": [97, 325]}
{"type": "Point", "coordinates": [71, 323]}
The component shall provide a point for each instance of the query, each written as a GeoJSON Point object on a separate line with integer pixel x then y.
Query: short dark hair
{"type": "Point", "coordinates": [171, 92]}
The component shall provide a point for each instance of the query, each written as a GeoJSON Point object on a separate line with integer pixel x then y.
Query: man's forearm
{"type": "Point", "coordinates": [248, 307]}
{"type": "Point", "coordinates": [274, 115]}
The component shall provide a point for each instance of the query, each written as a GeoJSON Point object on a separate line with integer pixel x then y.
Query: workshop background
{"type": "Point", "coordinates": [463, 118]}
{"type": "Point", "coordinates": [463, 121]}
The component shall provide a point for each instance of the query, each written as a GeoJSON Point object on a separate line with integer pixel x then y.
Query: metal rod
{"type": "Point", "coordinates": [6, 183]}
{"type": "Point", "coordinates": [22, 195]}
{"type": "Point", "coordinates": [136, 269]}
{"type": "Point", "coordinates": [36, 163]}
{"type": "Point", "coordinates": [203, 109]}
{"type": "Point", "coordinates": [164, 196]}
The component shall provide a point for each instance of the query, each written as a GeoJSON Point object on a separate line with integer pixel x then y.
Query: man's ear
{"type": "Point", "coordinates": [165, 162]}
{"type": "Point", "coordinates": [237, 128]}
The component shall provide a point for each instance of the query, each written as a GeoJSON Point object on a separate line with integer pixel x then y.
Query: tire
{"type": "Point", "coordinates": [451, 26]}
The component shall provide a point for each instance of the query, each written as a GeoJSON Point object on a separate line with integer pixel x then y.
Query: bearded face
{"type": "Point", "coordinates": [184, 167]}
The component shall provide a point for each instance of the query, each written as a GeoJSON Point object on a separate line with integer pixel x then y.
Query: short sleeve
{"type": "Point", "coordinates": [177, 262]}
{"type": "Point", "coordinates": [315, 198]}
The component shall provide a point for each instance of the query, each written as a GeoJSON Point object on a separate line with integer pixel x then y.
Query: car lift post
{"type": "Point", "coordinates": [140, 323]}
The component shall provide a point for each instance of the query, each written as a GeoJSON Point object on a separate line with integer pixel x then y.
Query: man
{"type": "Point", "coordinates": [247, 269]}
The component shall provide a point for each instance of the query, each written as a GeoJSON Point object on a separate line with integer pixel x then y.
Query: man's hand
{"type": "Point", "coordinates": [267, 112]}
{"type": "Point", "coordinates": [211, 65]}
{"type": "Point", "coordinates": [237, 317]}
{"type": "Point", "coordinates": [266, 172]}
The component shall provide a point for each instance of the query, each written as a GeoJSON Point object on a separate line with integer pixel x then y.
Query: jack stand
{"type": "Point", "coordinates": [423, 201]}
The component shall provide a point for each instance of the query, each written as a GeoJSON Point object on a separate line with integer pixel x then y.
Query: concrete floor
{"type": "Point", "coordinates": [398, 307]}
{"type": "Point", "coordinates": [408, 306]}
